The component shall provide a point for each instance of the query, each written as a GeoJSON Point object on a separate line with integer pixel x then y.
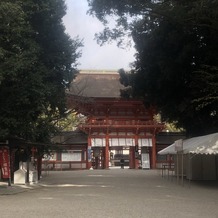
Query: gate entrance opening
{"type": "Point", "coordinates": [119, 156]}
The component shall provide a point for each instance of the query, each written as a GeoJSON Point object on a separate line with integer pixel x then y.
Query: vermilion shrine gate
{"type": "Point", "coordinates": [113, 123]}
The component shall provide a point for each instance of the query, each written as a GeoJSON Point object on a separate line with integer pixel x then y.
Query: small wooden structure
{"type": "Point", "coordinates": [71, 155]}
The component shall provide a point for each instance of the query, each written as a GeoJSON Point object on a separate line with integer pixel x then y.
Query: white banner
{"type": "Point", "coordinates": [145, 161]}
{"type": "Point", "coordinates": [146, 142]}
{"type": "Point", "coordinates": [122, 142]}
{"type": "Point", "coordinates": [71, 156]}
{"type": "Point", "coordinates": [98, 142]}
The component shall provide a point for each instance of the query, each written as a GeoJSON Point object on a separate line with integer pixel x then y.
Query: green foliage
{"type": "Point", "coordinates": [70, 121]}
{"type": "Point", "coordinates": [37, 62]}
{"type": "Point", "coordinates": [169, 127]}
{"type": "Point", "coordinates": [176, 60]}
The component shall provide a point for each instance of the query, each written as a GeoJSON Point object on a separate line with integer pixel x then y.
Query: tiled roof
{"type": "Point", "coordinates": [71, 138]}
{"type": "Point", "coordinates": [97, 84]}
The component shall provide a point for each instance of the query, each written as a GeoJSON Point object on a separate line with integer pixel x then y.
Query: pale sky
{"type": "Point", "coordinates": [94, 56]}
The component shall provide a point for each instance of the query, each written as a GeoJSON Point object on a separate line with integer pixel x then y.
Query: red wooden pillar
{"type": "Point", "coordinates": [132, 157]}
{"type": "Point", "coordinates": [153, 164]}
{"type": "Point", "coordinates": [88, 154]}
{"type": "Point", "coordinates": [106, 153]}
{"type": "Point", "coordinates": [136, 150]}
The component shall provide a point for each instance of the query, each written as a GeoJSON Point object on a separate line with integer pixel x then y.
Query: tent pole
{"type": "Point", "coordinates": [177, 166]}
{"type": "Point", "coordinates": [182, 169]}
{"type": "Point", "coordinates": [189, 163]}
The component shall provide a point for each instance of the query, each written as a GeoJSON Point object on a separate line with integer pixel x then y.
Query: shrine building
{"type": "Point", "coordinates": [116, 128]}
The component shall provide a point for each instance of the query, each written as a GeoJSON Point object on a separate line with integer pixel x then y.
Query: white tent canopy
{"type": "Point", "coordinates": [207, 144]}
